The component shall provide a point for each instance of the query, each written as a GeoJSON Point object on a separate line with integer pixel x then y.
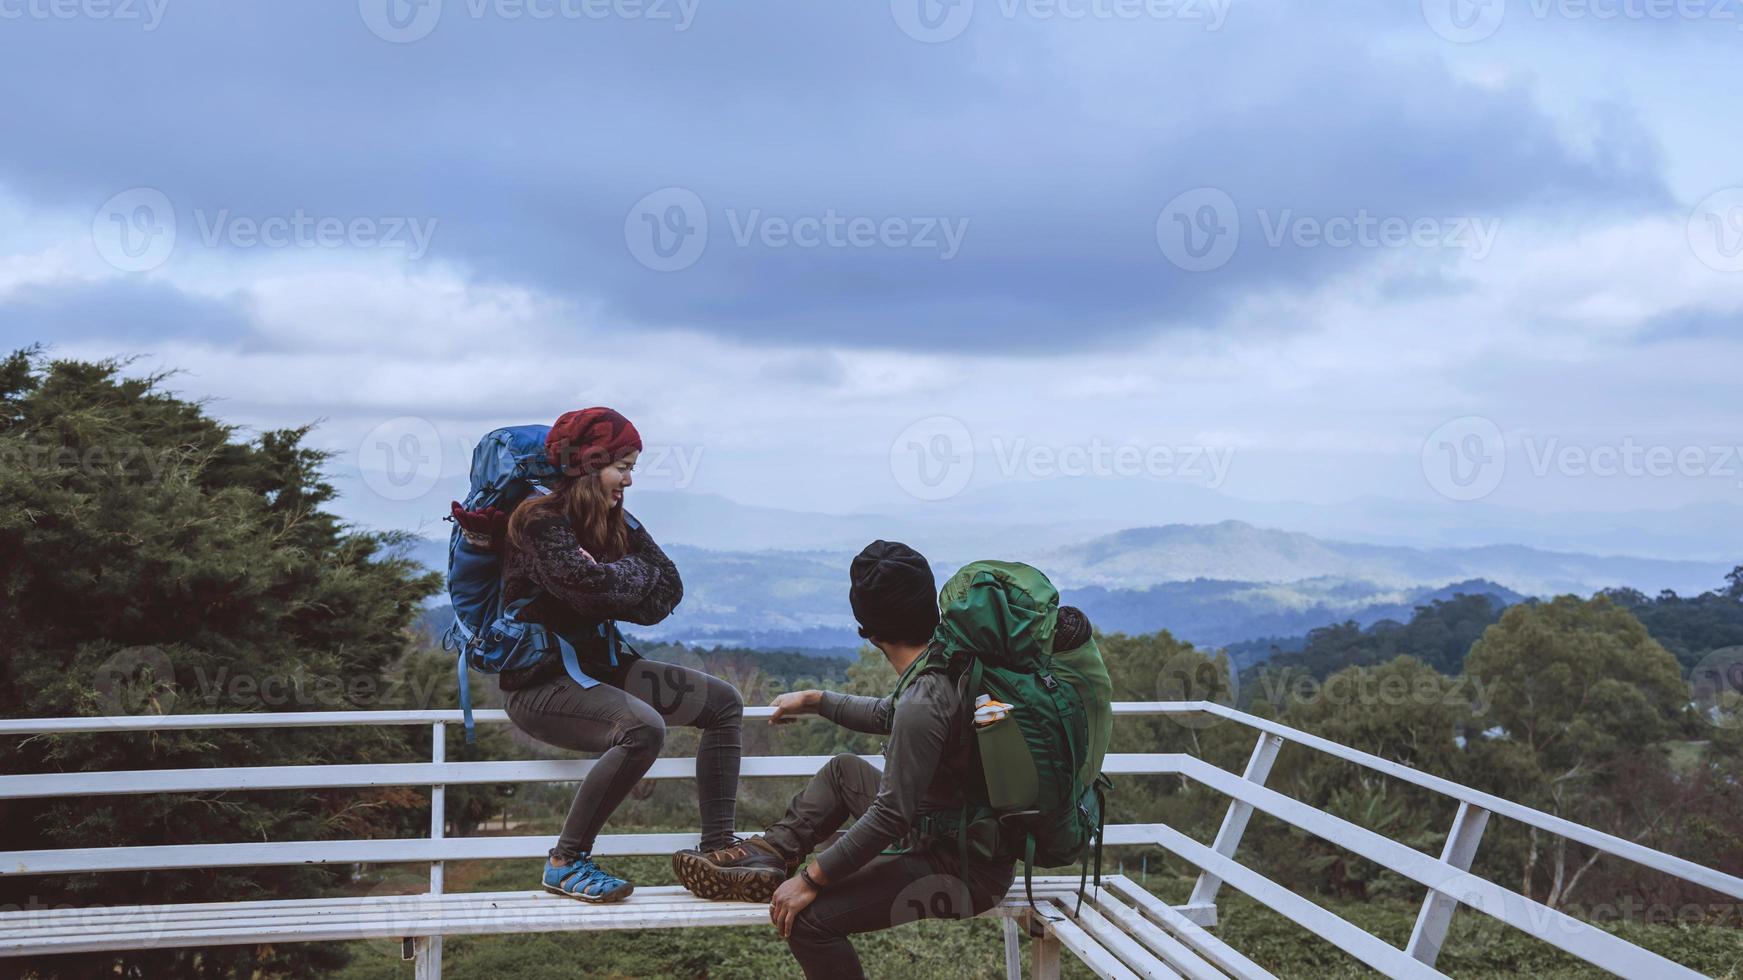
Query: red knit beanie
{"type": "Point", "coordinates": [590, 439]}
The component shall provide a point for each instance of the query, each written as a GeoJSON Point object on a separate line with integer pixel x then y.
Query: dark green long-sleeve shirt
{"type": "Point", "coordinates": [925, 764]}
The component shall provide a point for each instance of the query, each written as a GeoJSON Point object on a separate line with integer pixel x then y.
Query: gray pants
{"type": "Point", "coordinates": [625, 717]}
{"type": "Point", "coordinates": [891, 890]}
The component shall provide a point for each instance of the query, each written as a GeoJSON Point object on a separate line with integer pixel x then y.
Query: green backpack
{"type": "Point", "coordinates": [1041, 786]}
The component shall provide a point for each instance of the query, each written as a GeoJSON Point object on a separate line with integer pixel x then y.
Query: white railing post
{"type": "Point", "coordinates": [1013, 950]}
{"type": "Point", "coordinates": [1201, 907]}
{"type": "Point", "coordinates": [1437, 909]}
{"type": "Point", "coordinates": [429, 948]}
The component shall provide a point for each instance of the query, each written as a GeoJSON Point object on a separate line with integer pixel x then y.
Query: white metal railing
{"type": "Point", "coordinates": [1446, 879]}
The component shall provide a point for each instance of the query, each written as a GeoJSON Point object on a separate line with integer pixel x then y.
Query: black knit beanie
{"type": "Point", "coordinates": [894, 596]}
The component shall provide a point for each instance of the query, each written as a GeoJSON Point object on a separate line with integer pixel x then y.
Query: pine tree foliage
{"type": "Point", "coordinates": [154, 561]}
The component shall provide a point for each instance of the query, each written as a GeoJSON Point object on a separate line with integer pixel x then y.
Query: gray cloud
{"type": "Point", "coordinates": [1052, 147]}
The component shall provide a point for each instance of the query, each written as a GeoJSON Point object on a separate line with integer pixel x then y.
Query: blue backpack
{"type": "Point", "coordinates": [508, 466]}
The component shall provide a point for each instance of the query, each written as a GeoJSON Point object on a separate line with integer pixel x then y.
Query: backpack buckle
{"type": "Point", "coordinates": [1048, 682]}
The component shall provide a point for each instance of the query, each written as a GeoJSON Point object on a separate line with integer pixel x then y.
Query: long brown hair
{"type": "Point", "coordinates": [582, 501]}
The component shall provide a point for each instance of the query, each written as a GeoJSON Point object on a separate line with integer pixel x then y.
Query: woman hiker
{"type": "Point", "coordinates": [588, 564]}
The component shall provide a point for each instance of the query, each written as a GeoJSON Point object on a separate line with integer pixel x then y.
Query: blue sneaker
{"type": "Point", "coordinates": [583, 879]}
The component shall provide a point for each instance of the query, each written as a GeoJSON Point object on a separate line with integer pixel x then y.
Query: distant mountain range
{"type": "Point", "coordinates": [1237, 551]}
{"type": "Point", "coordinates": [1211, 584]}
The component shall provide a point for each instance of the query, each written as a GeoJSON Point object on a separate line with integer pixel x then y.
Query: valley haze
{"type": "Point", "coordinates": [767, 577]}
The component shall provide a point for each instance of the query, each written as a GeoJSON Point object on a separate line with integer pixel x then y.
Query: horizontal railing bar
{"type": "Point", "coordinates": [1629, 850]}
{"type": "Point", "coordinates": [332, 719]}
{"type": "Point", "coordinates": [242, 719]}
{"type": "Point", "coordinates": [77, 860]}
{"type": "Point", "coordinates": [135, 781]}
{"type": "Point", "coordinates": [1559, 929]}
{"type": "Point", "coordinates": [1388, 959]}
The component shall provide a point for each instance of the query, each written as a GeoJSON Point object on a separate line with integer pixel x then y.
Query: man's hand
{"type": "Point", "coordinates": [794, 703]}
{"type": "Point", "coordinates": [794, 895]}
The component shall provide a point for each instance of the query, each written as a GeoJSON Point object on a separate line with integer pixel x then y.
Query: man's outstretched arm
{"type": "Point", "coordinates": [872, 716]}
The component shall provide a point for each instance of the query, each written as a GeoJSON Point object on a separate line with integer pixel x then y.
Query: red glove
{"type": "Point", "coordinates": [481, 527]}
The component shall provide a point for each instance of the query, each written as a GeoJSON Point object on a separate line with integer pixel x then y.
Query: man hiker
{"type": "Point", "coordinates": [901, 859]}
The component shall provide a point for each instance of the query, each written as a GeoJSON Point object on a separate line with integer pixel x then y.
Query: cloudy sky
{"type": "Point", "coordinates": [1476, 264]}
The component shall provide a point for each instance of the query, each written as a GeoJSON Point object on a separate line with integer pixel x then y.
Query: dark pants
{"type": "Point", "coordinates": [891, 890]}
{"type": "Point", "coordinates": [625, 717]}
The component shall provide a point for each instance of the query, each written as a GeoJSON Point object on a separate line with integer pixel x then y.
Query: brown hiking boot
{"type": "Point", "coordinates": [748, 870]}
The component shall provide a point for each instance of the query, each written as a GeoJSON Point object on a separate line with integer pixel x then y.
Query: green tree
{"type": "Point", "coordinates": [1581, 695]}
{"type": "Point", "coordinates": [154, 563]}
{"type": "Point", "coordinates": [1404, 711]}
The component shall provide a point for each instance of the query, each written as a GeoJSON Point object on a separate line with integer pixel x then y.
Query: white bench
{"type": "Point", "coordinates": [1122, 931]}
